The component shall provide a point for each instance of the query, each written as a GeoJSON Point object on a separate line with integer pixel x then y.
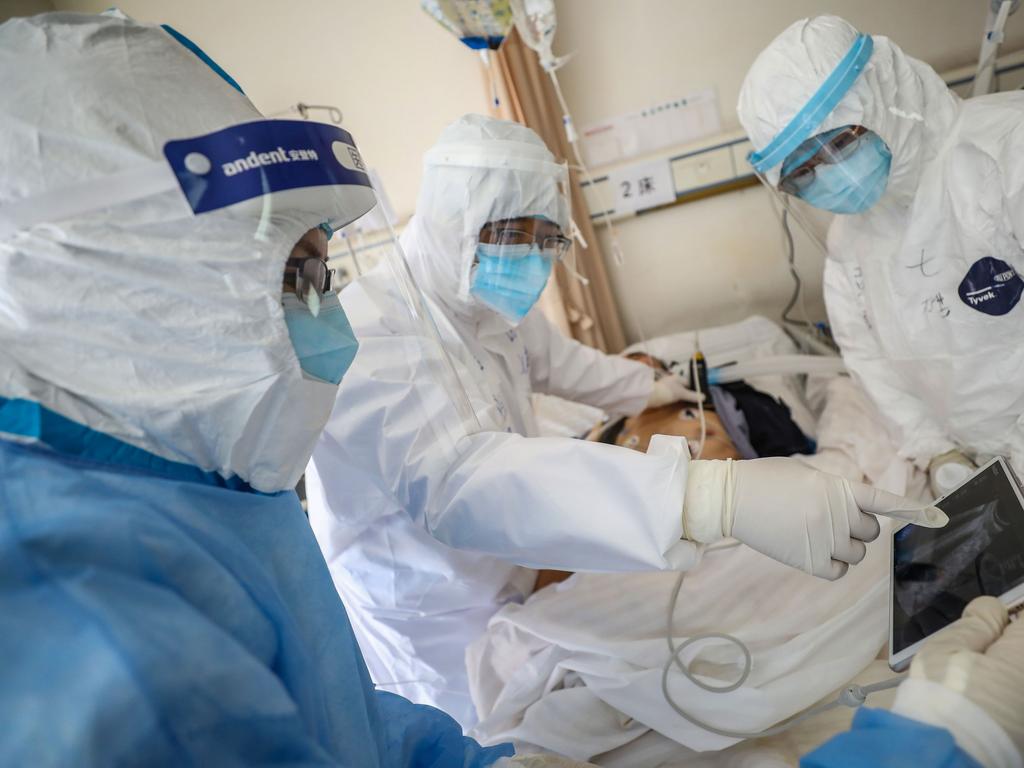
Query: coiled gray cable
{"type": "Point", "coordinates": [851, 696]}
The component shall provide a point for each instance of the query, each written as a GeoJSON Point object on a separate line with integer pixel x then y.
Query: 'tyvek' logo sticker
{"type": "Point", "coordinates": [991, 286]}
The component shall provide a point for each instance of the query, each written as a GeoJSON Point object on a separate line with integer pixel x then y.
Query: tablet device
{"type": "Point", "coordinates": [936, 572]}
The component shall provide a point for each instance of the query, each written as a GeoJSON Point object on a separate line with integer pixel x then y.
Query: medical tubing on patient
{"type": "Point", "coordinates": [696, 366]}
{"type": "Point", "coordinates": [779, 365]}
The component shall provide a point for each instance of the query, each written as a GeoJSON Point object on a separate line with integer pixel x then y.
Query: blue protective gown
{"type": "Point", "coordinates": [879, 739]}
{"type": "Point", "coordinates": [149, 615]}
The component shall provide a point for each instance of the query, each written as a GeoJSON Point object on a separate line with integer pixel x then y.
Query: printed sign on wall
{"type": "Point", "coordinates": [674, 122]}
{"type": "Point", "coordinates": [641, 186]}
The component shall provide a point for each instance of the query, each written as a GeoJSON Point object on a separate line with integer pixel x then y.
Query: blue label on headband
{"type": "Point", "coordinates": [991, 286]}
{"type": "Point", "coordinates": [254, 159]}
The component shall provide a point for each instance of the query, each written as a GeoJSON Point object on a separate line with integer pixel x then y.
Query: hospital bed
{"type": "Point", "coordinates": [577, 668]}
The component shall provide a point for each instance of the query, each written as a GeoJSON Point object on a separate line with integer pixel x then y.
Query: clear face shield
{"type": "Point", "coordinates": [813, 173]}
{"type": "Point", "coordinates": [511, 199]}
{"type": "Point", "coordinates": [264, 198]}
{"type": "Point", "coordinates": [842, 171]}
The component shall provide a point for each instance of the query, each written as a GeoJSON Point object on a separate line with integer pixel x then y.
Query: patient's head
{"type": "Point", "coordinates": [654, 362]}
{"type": "Point", "coordinates": [676, 419]}
{"type": "Point", "coordinates": [681, 420]}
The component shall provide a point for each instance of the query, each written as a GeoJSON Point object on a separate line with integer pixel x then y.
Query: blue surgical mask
{"type": "Point", "coordinates": [510, 278]}
{"type": "Point", "coordinates": [855, 184]}
{"type": "Point", "coordinates": [324, 344]}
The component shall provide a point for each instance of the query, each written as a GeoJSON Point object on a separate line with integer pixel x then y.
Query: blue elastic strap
{"type": "Point", "coordinates": [817, 108]}
{"type": "Point", "coordinates": [28, 419]}
{"type": "Point", "coordinates": [202, 56]}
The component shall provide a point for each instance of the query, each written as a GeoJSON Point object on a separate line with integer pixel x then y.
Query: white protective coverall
{"type": "Point", "coordinates": [386, 510]}
{"type": "Point", "coordinates": [154, 608]}
{"type": "Point", "coordinates": [923, 288]}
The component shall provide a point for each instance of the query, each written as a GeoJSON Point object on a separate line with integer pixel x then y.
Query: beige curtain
{"type": "Point", "coordinates": [588, 313]}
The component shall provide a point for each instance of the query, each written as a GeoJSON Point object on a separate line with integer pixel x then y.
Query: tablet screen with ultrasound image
{"type": "Point", "coordinates": [938, 571]}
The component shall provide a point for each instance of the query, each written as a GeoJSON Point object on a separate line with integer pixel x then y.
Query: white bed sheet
{"type": "Point", "coordinates": [577, 668]}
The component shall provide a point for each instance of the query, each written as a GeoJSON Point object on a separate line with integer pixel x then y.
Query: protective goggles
{"type": "Point", "coordinates": [830, 148]}
{"type": "Point", "coordinates": [542, 233]}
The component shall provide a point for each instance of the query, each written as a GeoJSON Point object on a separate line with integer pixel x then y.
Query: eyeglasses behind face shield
{"type": "Point", "coordinates": [545, 235]}
{"type": "Point", "coordinates": [252, 168]}
{"type": "Point", "coordinates": [306, 273]}
{"type": "Point", "coordinates": [829, 148]}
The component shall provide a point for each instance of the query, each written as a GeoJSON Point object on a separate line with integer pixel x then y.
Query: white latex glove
{"type": "Point", "coordinates": [540, 761]}
{"type": "Point", "coordinates": [948, 470]}
{"type": "Point", "coordinates": [969, 679]}
{"type": "Point", "coordinates": [794, 514]}
{"type": "Point", "coordinates": [671, 388]}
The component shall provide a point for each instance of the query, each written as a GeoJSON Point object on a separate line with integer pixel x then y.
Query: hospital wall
{"type": "Point", "coordinates": [9, 8]}
{"type": "Point", "coordinates": [720, 259]}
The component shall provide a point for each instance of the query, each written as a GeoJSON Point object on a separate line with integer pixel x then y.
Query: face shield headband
{"type": "Point", "coordinates": [231, 167]}
{"type": "Point", "coordinates": [818, 107]}
{"type": "Point", "coordinates": [511, 155]}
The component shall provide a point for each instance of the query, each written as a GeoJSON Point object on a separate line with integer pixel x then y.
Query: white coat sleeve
{"type": "Point", "coordinates": [548, 502]}
{"type": "Point", "coordinates": [392, 447]}
{"type": "Point", "coordinates": [564, 367]}
{"type": "Point", "coordinates": [920, 436]}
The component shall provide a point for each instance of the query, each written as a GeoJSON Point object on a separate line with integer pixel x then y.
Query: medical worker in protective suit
{"type": "Point", "coordinates": [167, 351]}
{"type": "Point", "coordinates": [427, 538]}
{"type": "Point", "coordinates": [922, 279]}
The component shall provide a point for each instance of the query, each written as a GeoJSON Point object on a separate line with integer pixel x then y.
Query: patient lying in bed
{"type": "Point", "coordinates": [752, 423]}
{"type": "Point", "coordinates": [676, 419]}
{"type": "Point", "coordinates": [577, 668]}
{"type": "Point", "coordinates": [769, 432]}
